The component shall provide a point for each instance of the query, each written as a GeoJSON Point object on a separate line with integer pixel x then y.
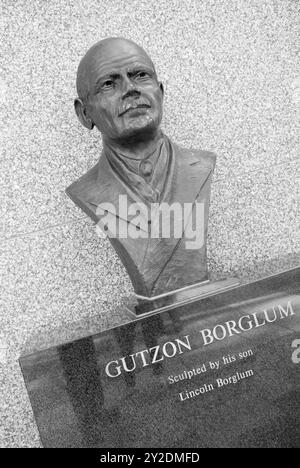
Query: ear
{"type": "Point", "coordinates": [162, 88]}
{"type": "Point", "coordinates": [80, 110]}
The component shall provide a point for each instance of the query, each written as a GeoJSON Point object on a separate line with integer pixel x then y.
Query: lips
{"type": "Point", "coordinates": [132, 106]}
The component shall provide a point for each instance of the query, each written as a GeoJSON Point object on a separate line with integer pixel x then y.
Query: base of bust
{"type": "Point", "coordinates": [141, 305]}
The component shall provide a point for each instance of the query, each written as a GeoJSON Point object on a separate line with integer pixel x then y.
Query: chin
{"type": "Point", "coordinates": [140, 128]}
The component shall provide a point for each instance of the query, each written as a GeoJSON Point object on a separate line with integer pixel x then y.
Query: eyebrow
{"type": "Point", "coordinates": [115, 74]}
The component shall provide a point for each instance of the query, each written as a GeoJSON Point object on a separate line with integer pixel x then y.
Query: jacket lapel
{"type": "Point", "coordinates": [107, 192]}
{"type": "Point", "coordinates": [190, 176]}
{"type": "Point", "coordinates": [187, 178]}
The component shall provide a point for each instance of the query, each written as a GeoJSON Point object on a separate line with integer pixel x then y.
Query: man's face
{"type": "Point", "coordinates": [124, 96]}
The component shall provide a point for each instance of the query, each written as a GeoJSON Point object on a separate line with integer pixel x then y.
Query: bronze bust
{"type": "Point", "coordinates": [119, 94]}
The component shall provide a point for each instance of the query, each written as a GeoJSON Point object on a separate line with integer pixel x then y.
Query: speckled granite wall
{"type": "Point", "coordinates": [232, 80]}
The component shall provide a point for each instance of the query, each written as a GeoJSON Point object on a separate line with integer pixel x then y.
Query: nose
{"type": "Point", "coordinates": [129, 89]}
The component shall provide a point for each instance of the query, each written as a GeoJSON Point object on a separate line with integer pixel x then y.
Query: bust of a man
{"type": "Point", "coordinates": [119, 93]}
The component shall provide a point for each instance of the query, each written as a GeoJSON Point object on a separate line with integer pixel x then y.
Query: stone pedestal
{"type": "Point", "coordinates": [142, 305]}
{"type": "Point", "coordinates": [222, 371]}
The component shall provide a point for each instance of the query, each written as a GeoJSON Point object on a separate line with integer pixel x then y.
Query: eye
{"type": "Point", "coordinates": [142, 75]}
{"type": "Point", "coordinates": [108, 84]}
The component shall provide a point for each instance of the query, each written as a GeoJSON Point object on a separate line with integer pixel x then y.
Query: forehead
{"type": "Point", "coordinates": [102, 65]}
{"type": "Point", "coordinates": [111, 56]}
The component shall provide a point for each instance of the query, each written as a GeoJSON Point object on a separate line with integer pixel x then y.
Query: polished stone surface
{"type": "Point", "coordinates": [140, 306]}
{"type": "Point", "coordinates": [76, 404]}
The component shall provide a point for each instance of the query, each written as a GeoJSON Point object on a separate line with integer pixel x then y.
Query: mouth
{"type": "Point", "coordinates": [134, 107]}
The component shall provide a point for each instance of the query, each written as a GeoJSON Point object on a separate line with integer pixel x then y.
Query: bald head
{"type": "Point", "coordinates": [104, 54]}
{"type": "Point", "coordinates": [118, 90]}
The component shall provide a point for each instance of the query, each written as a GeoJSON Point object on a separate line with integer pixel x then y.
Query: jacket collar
{"type": "Point", "coordinates": [185, 181]}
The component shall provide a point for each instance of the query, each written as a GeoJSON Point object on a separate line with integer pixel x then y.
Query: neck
{"type": "Point", "coordinates": [135, 148]}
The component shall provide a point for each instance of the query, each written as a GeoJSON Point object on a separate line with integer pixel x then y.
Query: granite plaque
{"type": "Point", "coordinates": [220, 372]}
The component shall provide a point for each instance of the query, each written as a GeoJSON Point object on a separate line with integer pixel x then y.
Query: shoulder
{"type": "Point", "coordinates": [207, 158]}
{"type": "Point", "coordinates": [197, 156]}
{"type": "Point", "coordinates": [82, 188]}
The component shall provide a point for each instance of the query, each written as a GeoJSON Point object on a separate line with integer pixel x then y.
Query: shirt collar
{"type": "Point", "coordinates": [127, 170]}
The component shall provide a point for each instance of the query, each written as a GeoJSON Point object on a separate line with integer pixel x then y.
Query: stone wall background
{"type": "Point", "coordinates": [232, 82]}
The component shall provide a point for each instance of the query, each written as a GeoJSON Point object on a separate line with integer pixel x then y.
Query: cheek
{"type": "Point", "coordinates": [102, 108]}
{"type": "Point", "coordinates": [105, 112]}
{"type": "Point", "coordinates": [157, 98]}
